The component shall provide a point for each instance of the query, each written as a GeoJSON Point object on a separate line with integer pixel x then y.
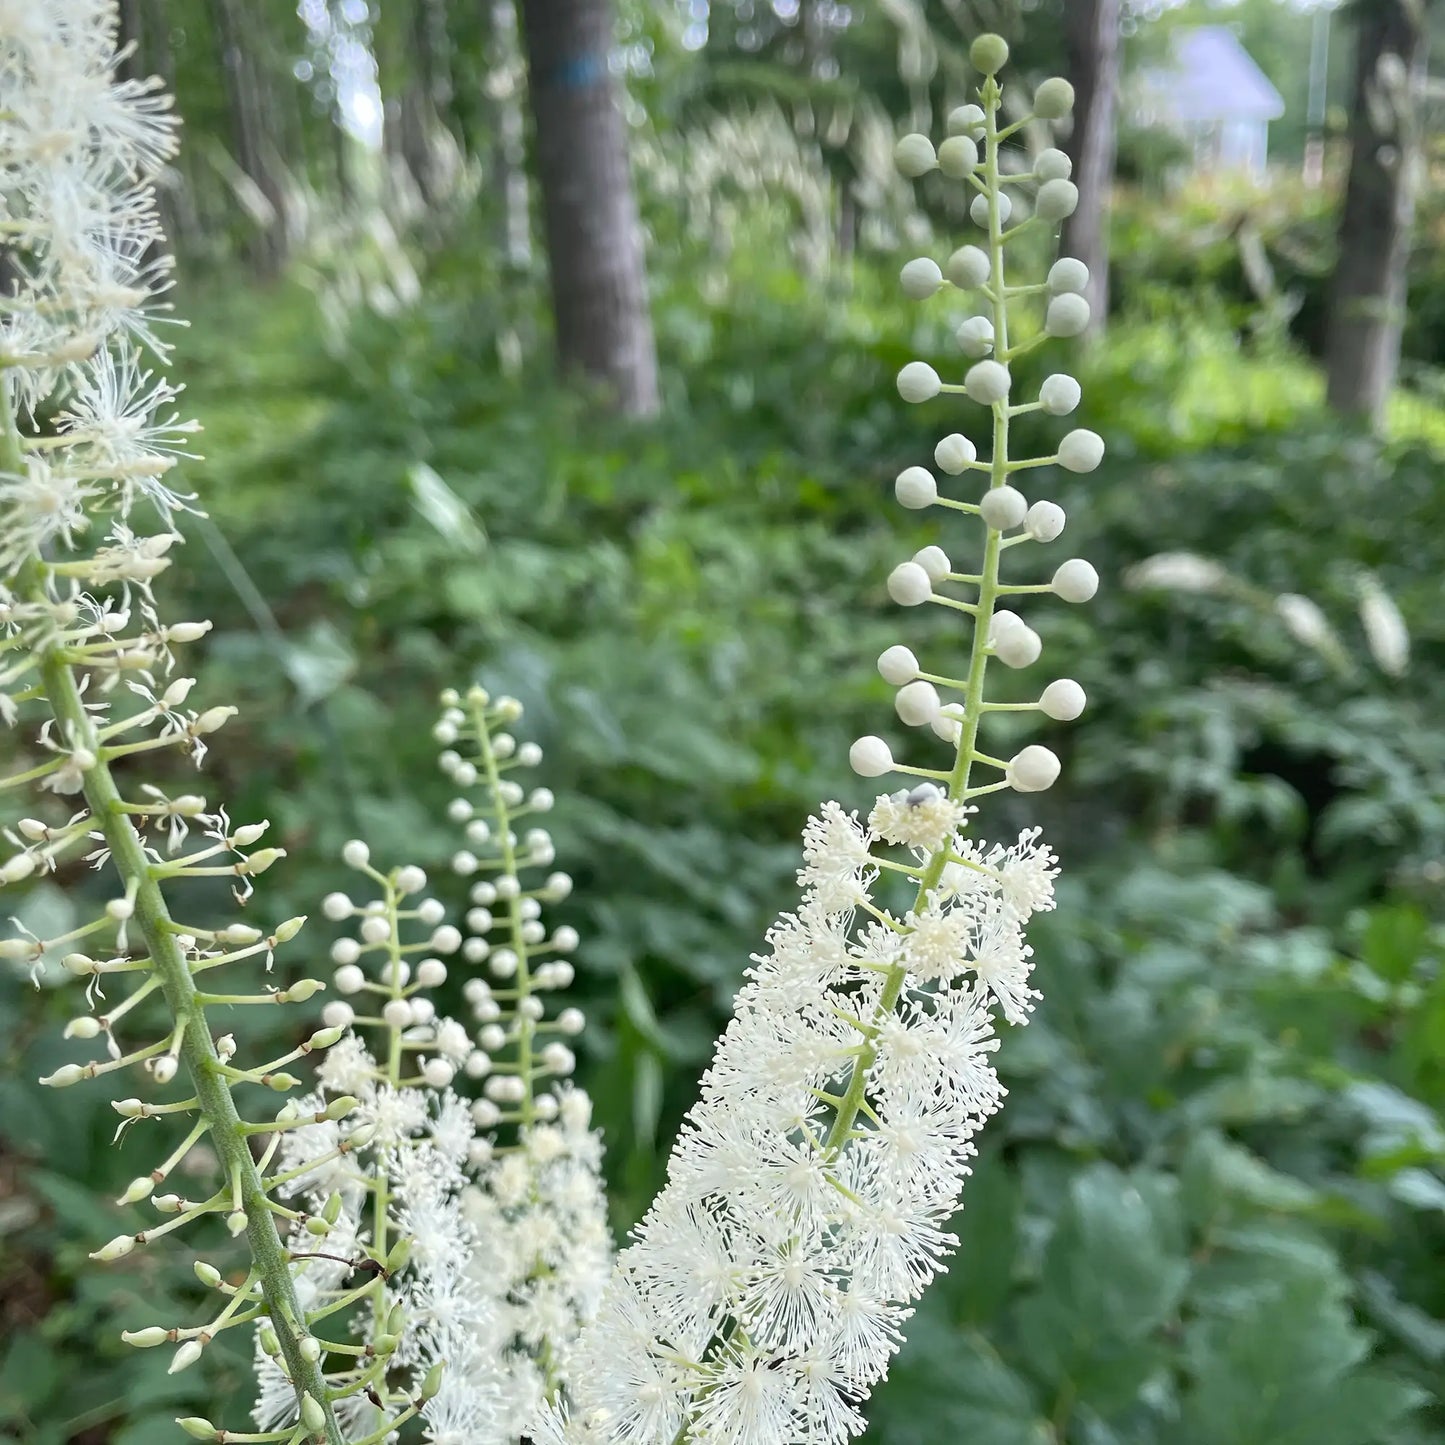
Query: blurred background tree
{"type": "Point", "coordinates": [1214, 1210]}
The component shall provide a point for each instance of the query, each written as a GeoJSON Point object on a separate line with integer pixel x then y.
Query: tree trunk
{"type": "Point", "coordinates": [1091, 36]}
{"type": "Point", "coordinates": [248, 101]}
{"type": "Point", "coordinates": [1367, 294]}
{"type": "Point", "coordinates": [594, 238]}
{"type": "Point", "coordinates": [509, 134]}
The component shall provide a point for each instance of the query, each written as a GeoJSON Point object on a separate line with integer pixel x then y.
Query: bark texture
{"type": "Point", "coordinates": [594, 237]}
{"type": "Point", "coordinates": [1091, 37]}
{"type": "Point", "coordinates": [1367, 293]}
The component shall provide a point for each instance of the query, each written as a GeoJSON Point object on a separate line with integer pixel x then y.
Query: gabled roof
{"type": "Point", "coordinates": [1211, 77]}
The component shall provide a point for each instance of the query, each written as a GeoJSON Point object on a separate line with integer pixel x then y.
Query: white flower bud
{"type": "Point", "coordinates": [987, 382]}
{"type": "Point", "coordinates": [431, 911]}
{"type": "Point", "coordinates": [1062, 700]}
{"type": "Point", "coordinates": [431, 973]}
{"type": "Point", "coordinates": [464, 862]}
{"type": "Point", "coordinates": [184, 1357]}
{"type": "Point", "coordinates": [542, 799]}
{"type": "Point", "coordinates": [969, 267]}
{"type": "Point", "coordinates": [464, 774]}
{"type": "Point", "coordinates": [1044, 522]}
{"type": "Point", "coordinates": [1054, 98]}
{"type": "Point", "coordinates": [336, 906]}
{"type": "Point", "coordinates": [147, 1338]}
{"type": "Point", "coordinates": [445, 940]}
{"type": "Point", "coordinates": [920, 278]}
{"type": "Point", "coordinates": [138, 1189]}
{"type": "Point", "coordinates": [917, 703]}
{"type": "Point", "coordinates": [1033, 770]}
{"type": "Point", "coordinates": [1076, 580]}
{"type": "Point", "coordinates": [345, 950]}
{"type": "Point", "coordinates": [459, 810]}
{"type": "Point", "coordinates": [914, 155]}
{"type": "Point", "coordinates": [163, 1069]}
{"type": "Point", "coordinates": [915, 488]}
{"type": "Point", "coordinates": [1302, 618]}
{"type": "Point", "coordinates": [117, 1248]}
{"type": "Point", "coordinates": [484, 893]}
{"type": "Point", "coordinates": [1081, 450]}
{"type": "Point", "coordinates": [338, 1014]}
{"type": "Point", "coordinates": [504, 745]}
{"type": "Point", "coordinates": [445, 732]}
{"type": "Point", "coordinates": [565, 939]}
{"type": "Point", "coordinates": [533, 931]}
{"type": "Point", "coordinates": [84, 1027]}
{"type": "Point", "coordinates": [558, 886]}
{"type": "Point", "coordinates": [934, 561]}
{"type": "Point", "coordinates": [954, 453]}
{"type": "Point", "coordinates": [212, 719]}
{"type": "Point", "coordinates": [348, 978]}
{"type": "Point", "coordinates": [1067, 274]}
{"type": "Point", "coordinates": [1060, 394]}
{"type": "Point", "coordinates": [410, 880]}
{"type": "Point", "coordinates": [1067, 315]}
{"type": "Point", "coordinates": [506, 886]}
{"type": "Point", "coordinates": [33, 829]}
{"type": "Point", "coordinates": [423, 1010]}
{"type": "Point", "coordinates": [978, 209]}
{"type": "Point", "coordinates": [356, 854]}
{"type": "Point", "coordinates": [897, 665]}
{"type": "Point", "coordinates": [975, 336]}
{"type": "Point", "coordinates": [1056, 200]}
{"type": "Point", "coordinates": [559, 1059]}
{"type": "Point", "coordinates": [397, 1013]}
{"type": "Point", "coordinates": [1385, 632]}
{"type": "Point", "coordinates": [1053, 165]}
{"type": "Point", "coordinates": [1020, 646]}
{"type": "Point", "coordinates": [1180, 571]}
{"type": "Point", "coordinates": [1001, 624]}
{"type": "Point", "coordinates": [869, 757]}
{"type": "Point", "coordinates": [966, 120]}
{"type": "Point", "coordinates": [571, 1021]}
{"type": "Point", "coordinates": [1003, 508]}
{"type": "Point", "coordinates": [21, 866]}
{"type": "Point", "coordinates": [909, 584]}
{"type": "Point", "coordinates": [438, 1073]}
{"type": "Point", "coordinates": [918, 381]}
{"type": "Point", "coordinates": [375, 930]}
{"type": "Point", "coordinates": [958, 157]}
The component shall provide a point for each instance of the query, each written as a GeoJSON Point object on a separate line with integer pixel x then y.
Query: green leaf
{"type": "Point", "coordinates": [1112, 1278]}
{"type": "Point", "coordinates": [1288, 1372]}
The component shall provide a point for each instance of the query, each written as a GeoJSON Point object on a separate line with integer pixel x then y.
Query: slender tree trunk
{"type": "Point", "coordinates": [594, 238]}
{"type": "Point", "coordinates": [1367, 295]}
{"type": "Point", "coordinates": [509, 133]}
{"type": "Point", "coordinates": [248, 102]}
{"type": "Point", "coordinates": [1091, 36]}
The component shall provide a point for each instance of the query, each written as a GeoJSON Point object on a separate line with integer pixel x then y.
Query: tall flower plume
{"type": "Point", "coordinates": [807, 1198]}
{"type": "Point", "coordinates": [89, 435]}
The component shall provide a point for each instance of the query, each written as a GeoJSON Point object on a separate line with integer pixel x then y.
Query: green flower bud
{"type": "Point", "coordinates": [1054, 98]}
{"type": "Point", "coordinates": [914, 155]}
{"type": "Point", "coordinates": [433, 1380]}
{"type": "Point", "coordinates": [1056, 200]}
{"type": "Point", "coordinates": [1053, 165]}
{"type": "Point", "coordinates": [966, 120]}
{"type": "Point", "coordinates": [313, 1417]}
{"type": "Point", "coordinates": [199, 1428]}
{"type": "Point", "coordinates": [958, 157]}
{"type": "Point", "coordinates": [968, 268]}
{"type": "Point", "coordinates": [989, 53]}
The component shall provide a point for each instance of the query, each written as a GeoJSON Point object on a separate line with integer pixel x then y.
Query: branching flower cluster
{"type": "Point", "coordinates": [88, 682]}
{"type": "Point", "coordinates": [808, 1197]}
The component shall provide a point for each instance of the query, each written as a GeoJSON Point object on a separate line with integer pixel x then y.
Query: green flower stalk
{"type": "Point", "coordinates": [808, 1196]}
{"type": "Point", "coordinates": [88, 437]}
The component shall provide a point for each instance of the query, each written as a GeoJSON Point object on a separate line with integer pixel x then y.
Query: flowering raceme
{"type": "Point", "coordinates": [808, 1197]}
{"type": "Point", "coordinates": [498, 1200]}
{"type": "Point", "coordinates": [88, 439]}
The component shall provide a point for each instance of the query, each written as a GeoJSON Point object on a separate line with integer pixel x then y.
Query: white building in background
{"type": "Point", "coordinates": [1212, 95]}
